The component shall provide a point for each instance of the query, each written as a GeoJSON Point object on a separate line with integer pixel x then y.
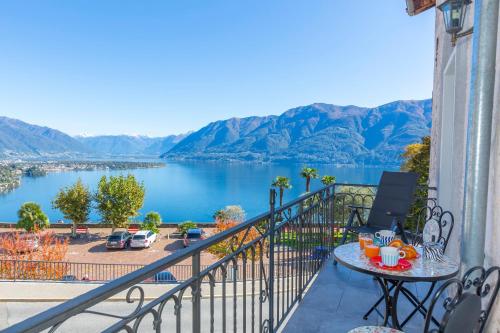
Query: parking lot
{"type": "Point", "coordinates": [92, 249]}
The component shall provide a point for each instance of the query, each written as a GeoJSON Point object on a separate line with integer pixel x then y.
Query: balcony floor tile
{"type": "Point", "coordinates": [338, 299]}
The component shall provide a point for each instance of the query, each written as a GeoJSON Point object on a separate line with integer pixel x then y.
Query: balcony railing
{"type": "Point", "coordinates": [35, 270]}
{"type": "Point", "coordinates": [275, 256]}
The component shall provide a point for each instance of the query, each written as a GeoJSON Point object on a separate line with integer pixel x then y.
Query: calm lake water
{"type": "Point", "coordinates": [186, 191]}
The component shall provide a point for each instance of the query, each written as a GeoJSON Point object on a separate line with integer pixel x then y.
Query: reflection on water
{"type": "Point", "coordinates": [187, 191]}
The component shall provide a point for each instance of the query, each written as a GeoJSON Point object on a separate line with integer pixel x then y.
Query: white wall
{"type": "Point", "coordinates": [453, 195]}
{"type": "Point", "coordinates": [449, 123]}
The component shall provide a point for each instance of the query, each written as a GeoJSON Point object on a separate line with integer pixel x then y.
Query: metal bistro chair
{"type": "Point", "coordinates": [467, 304]}
{"type": "Point", "coordinates": [431, 224]}
{"type": "Point", "coordinates": [395, 195]}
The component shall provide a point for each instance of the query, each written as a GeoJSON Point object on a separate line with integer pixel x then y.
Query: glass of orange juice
{"type": "Point", "coordinates": [364, 239]}
{"type": "Point", "coordinates": [371, 250]}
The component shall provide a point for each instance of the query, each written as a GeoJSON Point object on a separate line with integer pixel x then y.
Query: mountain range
{"type": "Point", "coordinates": [323, 133]}
{"type": "Point", "coordinates": [22, 140]}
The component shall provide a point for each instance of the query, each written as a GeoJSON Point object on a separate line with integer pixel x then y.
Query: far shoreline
{"type": "Point", "coordinates": [92, 225]}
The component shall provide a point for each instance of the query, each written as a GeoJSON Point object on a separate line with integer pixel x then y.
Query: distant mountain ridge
{"type": "Point", "coordinates": [322, 133]}
{"type": "Point", "coordinates": [19, 139]}
{"type": "Point", "coordinates": [127, 145]}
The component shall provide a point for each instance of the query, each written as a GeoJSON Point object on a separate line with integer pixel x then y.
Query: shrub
{"type": "Point", "coordinates": [31, 217]}
{"type": "Point", "coordinates": [151, 222]}
{"type": "Point", "coordinates": [185, 226]}
{"type": "Point", "coordinates": [50, 249]}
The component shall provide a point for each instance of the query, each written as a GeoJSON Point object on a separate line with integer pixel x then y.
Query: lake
{"type": "Point", "coordinates": [187, 191]}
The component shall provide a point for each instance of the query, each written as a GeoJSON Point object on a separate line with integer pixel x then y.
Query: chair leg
{"type": "Point", "coordinates": [346, 231]}
{"type": "Point", "coordinates": [342, 242]}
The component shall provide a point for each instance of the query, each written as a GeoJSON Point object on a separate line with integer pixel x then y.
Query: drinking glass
{"type": "Point", "coordinates": [371, 250]}
{"type": "Point", "coordinates": [364, 239]}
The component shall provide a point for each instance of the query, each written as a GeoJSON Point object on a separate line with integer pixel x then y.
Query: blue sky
{"type": "Point", "coordinates": [164, 67]}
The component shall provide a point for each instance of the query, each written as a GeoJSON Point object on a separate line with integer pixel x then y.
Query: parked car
{"type": "Point", "coordinates": [143, 238]}
{"type": "Point", "coordinates": [165, 277]}
{"type": "Point", "coordinates": [118, 240]}
{"type": "Point", "coordinates": [68, 278]}
{"type": "Point", "coordinates": [192, 236]}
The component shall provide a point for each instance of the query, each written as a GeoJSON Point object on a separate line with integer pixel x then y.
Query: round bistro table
{"type": "Point", "coordinates": [350, 256]}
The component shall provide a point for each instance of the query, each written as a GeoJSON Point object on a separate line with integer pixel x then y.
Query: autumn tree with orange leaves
{"type": "Point", "coordinates": [33, 256]}
{"type": "Point", "coordinates": [231, 244]}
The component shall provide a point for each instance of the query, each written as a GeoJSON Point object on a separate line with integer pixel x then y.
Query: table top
{"type": "Point", "coordinates": [352, 257]}
{"type": "Point", "coordinates": [374, 329]}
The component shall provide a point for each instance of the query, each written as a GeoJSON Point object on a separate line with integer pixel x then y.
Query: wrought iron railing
{"type": "Point", "coordinates": [285, 248]}
{"type": "Point", "coordinates": [34, 270]}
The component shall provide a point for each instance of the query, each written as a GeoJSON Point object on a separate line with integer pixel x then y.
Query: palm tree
{"type": "Point", "coordinates": [328, 180]}
{"type": "Point", "coordinates": [308, 174]}
{"type": "Point", "coordinates": [282, 183]}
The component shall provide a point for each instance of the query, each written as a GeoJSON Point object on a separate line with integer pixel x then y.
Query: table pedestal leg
{"type": "Point", "coordinates": [391, 302]}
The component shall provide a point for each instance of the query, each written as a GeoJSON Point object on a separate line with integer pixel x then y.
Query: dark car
{"type": "Point", "coordinates": [67, 278]}
{"type": "Point", "coordinates": [118, 240]}
{"type": "Point", "coordinates": [165, 277]}
{"type": "Point", "coordinates": [192, 236]}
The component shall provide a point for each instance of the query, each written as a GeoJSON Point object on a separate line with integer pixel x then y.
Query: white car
{"type": "Point", "coordinates": [143, 238]}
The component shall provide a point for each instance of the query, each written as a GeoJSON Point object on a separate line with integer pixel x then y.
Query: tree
{"type": "Point", "coordinates": [282, 183]}
{"type": "Point", "coordinates": [230, 213]}
{"type": "Point", "coordinates": [308, 174]}
{"type": "Point", "coordinates": [185, 226]}
{"type": "Point", "coordinates": [151, 222]}
{"type": "Point", "coordinates": [328, 180]}
{"type": "Point", "coordinates": [235, 213]}
{"type": "Point", "coordinates": [417, 158]}
{"type": "Point", "coordinates": [31, 217]}
{"type": "Point", "coordinates": [74, 202]}
{"type": "Point", "coordinates": [119, 199]}
{"type": "Point", "coordinates": [228, 245]}
{"type": "Point", "coordinates": [17, 246]}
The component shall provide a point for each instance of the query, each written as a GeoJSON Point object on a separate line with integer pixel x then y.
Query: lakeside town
{"type": "Point", "coordinates": [11, 172]}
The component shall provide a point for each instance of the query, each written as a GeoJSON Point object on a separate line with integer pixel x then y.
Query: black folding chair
{"type": "Point", "coordinates": [395, 195]}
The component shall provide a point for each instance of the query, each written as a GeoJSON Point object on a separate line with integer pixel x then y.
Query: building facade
{"type": "Point", "coordinates": [455, 165]}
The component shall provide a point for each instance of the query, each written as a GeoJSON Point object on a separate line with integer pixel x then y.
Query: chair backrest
{"type": "Point", "coordinates": [433, 225]}
{"type": "Point", "coordinates": [395, 194]}
{"type": "Point", "coordinates": [468, 302]}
